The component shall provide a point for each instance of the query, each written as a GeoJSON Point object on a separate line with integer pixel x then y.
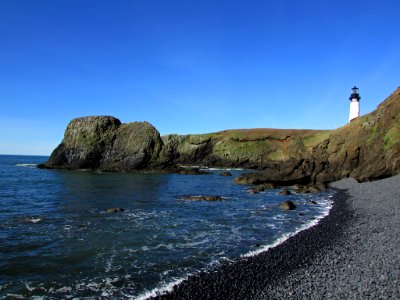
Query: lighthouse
{"type": "Point", "coordinates": [354, 104]}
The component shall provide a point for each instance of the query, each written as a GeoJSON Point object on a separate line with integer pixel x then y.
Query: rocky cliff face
{"type": "Point", "coordinates": [368, 148]}
{"type": "Point", "coordinates": [246, 148]}
{"type": "Point", "coordinates": [103, 143]}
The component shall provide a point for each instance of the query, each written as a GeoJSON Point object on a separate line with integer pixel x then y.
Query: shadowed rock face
{"type": "Point", "coordinates": [368, 148]}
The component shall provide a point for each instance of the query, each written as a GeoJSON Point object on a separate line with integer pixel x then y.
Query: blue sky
{"type": "Point", "coordinates": [190, 66]}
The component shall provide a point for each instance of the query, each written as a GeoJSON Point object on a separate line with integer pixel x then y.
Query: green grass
{"type": "Point", "coordinates": [392, 137]}
{"type": "Point", "coordinates": [316, 138]}
{"type": "Point", "coordinates": [373, 135]}
{"type": "Point", "coordinates": [197, 139]}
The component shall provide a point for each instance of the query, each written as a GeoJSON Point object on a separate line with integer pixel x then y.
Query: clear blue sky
{"type": "Point", "coordinates": [190, 66]}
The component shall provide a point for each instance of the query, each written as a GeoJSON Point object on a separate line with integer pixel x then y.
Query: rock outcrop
{"type": "Point", "coordinates": [368, 148]}
{"type": "Point", "coordinates": [103, 143]}
{"type": "Point", "coordinates": [287, 205]}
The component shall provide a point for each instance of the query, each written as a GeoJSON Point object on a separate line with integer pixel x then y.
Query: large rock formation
{"type": "Point", "coordinates": [103, 143]}
{"type": "Point", "coordinates": [368, 148]}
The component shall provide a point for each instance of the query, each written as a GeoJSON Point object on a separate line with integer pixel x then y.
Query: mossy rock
{"type": "Point", "coordinates": [287, 205]}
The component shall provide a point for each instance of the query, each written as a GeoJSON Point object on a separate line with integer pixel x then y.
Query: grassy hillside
{"type": "Point", "coordinates": [366, 148]}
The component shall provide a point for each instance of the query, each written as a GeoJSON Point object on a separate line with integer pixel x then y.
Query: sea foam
{"type": "Point", "coordinates": [26, 165]}
{"type": "Point", "coordinates": [286, 236]}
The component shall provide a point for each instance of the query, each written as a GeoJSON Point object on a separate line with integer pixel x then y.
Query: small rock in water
{"type": "Point", "coordinates": [192, 171]}
{"type": "Point", "coordinates": [225, 174]}
{"type": "Point", "coordinates": [287, 205]}
{"type": "Point", "coordinates": [285, 192]}
{"type": "Point", "coordinates": [115, 210]}
{"type": "Point", "coordinates": [256, 190]}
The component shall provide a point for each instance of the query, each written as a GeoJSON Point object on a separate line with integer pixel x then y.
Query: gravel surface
{"type": "Point", "coordinates": [365, 262]}
{"type": "Point", "coordinates": [354, 253]}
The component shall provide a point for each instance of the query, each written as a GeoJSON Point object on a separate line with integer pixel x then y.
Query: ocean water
{"type": "Point", "coordinates": [58, 241]}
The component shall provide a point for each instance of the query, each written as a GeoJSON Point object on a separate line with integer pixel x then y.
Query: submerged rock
{"type": "Point", "coordinates": [287, 205]}
{"type": "Point", "coordinates": [202, 198]}
{"type": "Point", "coordinates": [256, 190]}
{"type": "Point", "coordinates": [115, 210]}
{"type": "Point", "coordinates": [285, 192]}
{"type": "Point", "coordinates": [191, 171]}
{"type": "Point", "coordinates": [225, 174]}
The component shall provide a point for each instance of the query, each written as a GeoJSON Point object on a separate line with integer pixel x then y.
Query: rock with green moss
{"type": "Point", "coordinates": [103, 143]}
{"type": "Point", "coordinates": [136, 146]}
{"type": "Point", "coordinates": [85, 141]}
{"type": "Point", "coordinates": [287, 205]}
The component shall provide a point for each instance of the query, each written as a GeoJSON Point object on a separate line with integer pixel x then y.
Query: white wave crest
{"type": "Point", "coordinates": [290, 234]}
{"type": "Point", "coordinates": [33, 220]}
{"type": "Point", "coordinates": [26, 165]}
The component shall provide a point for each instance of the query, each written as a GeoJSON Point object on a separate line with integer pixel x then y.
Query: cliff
{"type": "Point", "coordinates": [368, 148]}
{"type": "Point", "coordinates": [245, 148]}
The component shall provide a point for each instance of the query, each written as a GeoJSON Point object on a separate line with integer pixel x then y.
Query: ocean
{"type": "Point", "coordinates": [57, 239]}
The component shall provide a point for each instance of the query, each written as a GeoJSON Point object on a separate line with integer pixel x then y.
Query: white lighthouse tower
{"type": "Point", "coordinates": [354, 104]}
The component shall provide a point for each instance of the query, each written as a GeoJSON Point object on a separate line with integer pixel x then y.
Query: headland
{"type": "Point", "coordinates": [366, 149]}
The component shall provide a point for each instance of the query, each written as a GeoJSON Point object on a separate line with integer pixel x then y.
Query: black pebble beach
{"type": "Point", "coordinates": [353, 253]}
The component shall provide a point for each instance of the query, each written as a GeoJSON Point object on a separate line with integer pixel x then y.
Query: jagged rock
{"type": "Point", "coordinates": [287, 205]}
{"type": "Point", "coordinates": [115, 210]}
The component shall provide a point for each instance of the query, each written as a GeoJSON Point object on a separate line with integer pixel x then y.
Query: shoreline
{"type": "Point", "coordinates": [337, 258]}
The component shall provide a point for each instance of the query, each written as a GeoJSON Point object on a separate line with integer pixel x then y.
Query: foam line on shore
{"type": "Point", "coordinates": [169, 287]}
{"type": "Point", "coordinates": [290, 234]}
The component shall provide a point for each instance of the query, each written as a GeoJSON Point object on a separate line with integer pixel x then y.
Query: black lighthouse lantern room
{"type": "Point", "coordinates": [355, 94]}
